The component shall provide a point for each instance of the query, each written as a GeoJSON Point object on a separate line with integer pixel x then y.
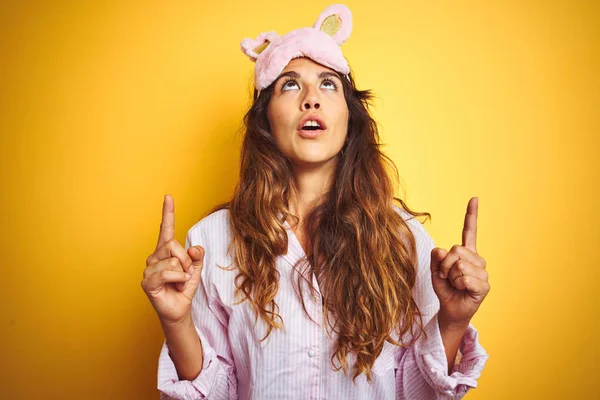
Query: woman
{"type": "Point", "coordinates": [311, 282]}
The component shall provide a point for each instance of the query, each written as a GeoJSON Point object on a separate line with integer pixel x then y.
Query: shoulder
{"type": "Point", "coordinates": [214, 234]}
{"type": "Point", "coordinates": [215, 227]}
{"type": "Point", "coordinates": [422, 291]}
{"type": "Point", "coordinates": [422, 237]}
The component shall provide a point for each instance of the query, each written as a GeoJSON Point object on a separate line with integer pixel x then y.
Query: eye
{"type": "Point", "coordinates": [289, 84]}
{"type": "Point", "coordinates": [331, 84]}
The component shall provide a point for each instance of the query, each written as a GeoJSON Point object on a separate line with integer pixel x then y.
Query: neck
{"type": "Point", "coordinates": [310, 183]}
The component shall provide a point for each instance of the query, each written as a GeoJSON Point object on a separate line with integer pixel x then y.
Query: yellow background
{"type": "Point", "coordinates": [104, 108]}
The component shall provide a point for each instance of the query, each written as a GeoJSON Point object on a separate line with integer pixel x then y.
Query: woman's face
{"type": "Point", "coordinates": [307, 91]}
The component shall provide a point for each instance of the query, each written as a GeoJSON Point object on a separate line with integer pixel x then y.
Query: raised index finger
{"type": "Point", "coordinates": [469, 233]}
{"type": "Point", "coordinates": [167, 225]}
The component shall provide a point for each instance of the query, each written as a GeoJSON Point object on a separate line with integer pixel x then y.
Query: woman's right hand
{"type": "Point", "coordinates": [172, 275]}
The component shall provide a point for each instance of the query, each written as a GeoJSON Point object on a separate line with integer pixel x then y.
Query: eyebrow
{"type": "Point", "coordinates": [295, 75]}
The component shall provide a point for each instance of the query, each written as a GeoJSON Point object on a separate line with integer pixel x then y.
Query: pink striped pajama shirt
{"type": "Point", "coordinates": [296, 364]}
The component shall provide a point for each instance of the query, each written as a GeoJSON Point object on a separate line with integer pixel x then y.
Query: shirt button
{"type": "Point", "coordinates": [311, 353]}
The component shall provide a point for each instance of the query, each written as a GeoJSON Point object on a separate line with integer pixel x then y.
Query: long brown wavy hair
{"type": "Point", "coordinates": [361, 250]}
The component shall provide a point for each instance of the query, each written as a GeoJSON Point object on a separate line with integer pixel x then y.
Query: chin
{"type": "Point", "coordinates": [312, 158]}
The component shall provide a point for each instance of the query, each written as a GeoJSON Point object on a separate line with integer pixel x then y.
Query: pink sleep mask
{"type": "Point", "coordinates": [321, 43]}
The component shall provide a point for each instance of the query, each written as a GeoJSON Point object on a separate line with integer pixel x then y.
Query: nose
{"type": "Point", "coordinates": [308, 105]}
{"type": "Point", "coordinates": [311, 100]}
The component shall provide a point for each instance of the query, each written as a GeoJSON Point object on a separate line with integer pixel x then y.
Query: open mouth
{"type": "Point", "coordinates": [312, 125]}
{"type": "Point", "coordinates": [311, 128]}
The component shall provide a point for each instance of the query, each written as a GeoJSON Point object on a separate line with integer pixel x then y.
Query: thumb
{"type": "Point", "coordinates": [196, 253]}
{"type": "Point", "coordinates": [437, 255]}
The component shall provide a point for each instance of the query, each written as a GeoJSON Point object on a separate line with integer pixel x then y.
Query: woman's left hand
{"type": "Point", "coordinates": [464, 281]}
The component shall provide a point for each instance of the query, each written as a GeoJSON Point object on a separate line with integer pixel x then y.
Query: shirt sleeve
{"type": "Point", "coordinates": [217, 380]}
{"type": "Point", "coordinates": [423, 368]}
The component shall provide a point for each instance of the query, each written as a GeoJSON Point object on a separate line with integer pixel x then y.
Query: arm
{"type": "Point", "coordinates": [423, 368]}
{"type": "Point", "coordinates": [451, 338]}
{"type": "Point", "coordinates": [429, 368]}
{"type": "Point", "coordinates": [185, 348]}
{"type": "Point", "coordinates": [196, 361]}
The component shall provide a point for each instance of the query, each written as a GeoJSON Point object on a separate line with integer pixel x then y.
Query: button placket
{"type": "Point", "coordinates": [314, 308]}
{"type": "Point", "coordinates": [315, 352]}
